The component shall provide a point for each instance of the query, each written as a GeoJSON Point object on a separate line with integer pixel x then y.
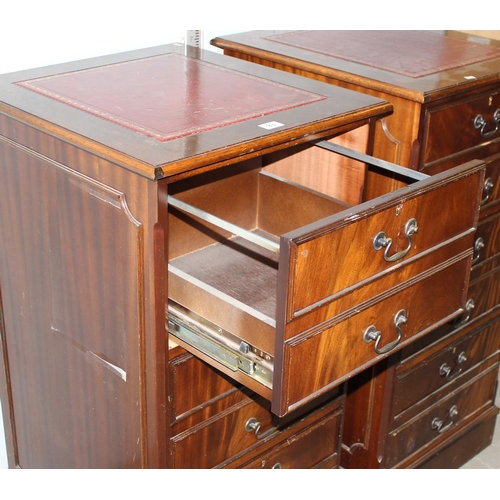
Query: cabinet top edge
{"type": "Point", "coordinates": [169, 109]}
{"type": "Point", "coordinates": [421, 66]}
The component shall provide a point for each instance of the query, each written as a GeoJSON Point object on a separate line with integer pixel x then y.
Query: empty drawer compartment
{"type": "Point", "coordinates": [256, 260]}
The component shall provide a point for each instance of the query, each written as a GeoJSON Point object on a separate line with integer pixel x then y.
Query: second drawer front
{"type": "Point", "coordinates": [425, 304]}
{"type": "Point", "coordinates": [483, 295]}
{"type": "Point", "coordinates": [491, 187]}
{"type": "Point", "coordinates": [443, 418]}
{"type": "Point", "coordinates": [194, 385]}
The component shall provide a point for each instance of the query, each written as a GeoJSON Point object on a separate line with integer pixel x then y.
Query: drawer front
{"type": "Point", "coordinates": [317, 446]}
{"type": "Point", "coordinates": [236, 436]}
{"type": "Point", "coordinates": [221, 437]}
{"type": "Point", "coordinates": [491, 187]}
{"type": "Point", "coordinates": [483, 295]}
{"type": "Point", "coordinates": [443, 418]}
{"type": "Point", "coordinates": [461, 125]}
{"type": "Point", "coordinates": [326, 355]}
{"type": "Point", "coordinates": [194, 385]}
{"type": "Point", "coordinates": [444, 367]}
{"type": "Point", "coordinates": [486, 246]}
{"type": "Point", "coordinates": [341, 255]}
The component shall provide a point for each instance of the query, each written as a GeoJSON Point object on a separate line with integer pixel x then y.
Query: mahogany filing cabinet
{"type": "Point", "coordinates": [190, 269]}
{"type": "Point", "coordinates": [431, 405]}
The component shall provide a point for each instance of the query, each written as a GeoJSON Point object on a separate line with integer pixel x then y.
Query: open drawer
{"type": "Point", "coordinates": [291, 292]}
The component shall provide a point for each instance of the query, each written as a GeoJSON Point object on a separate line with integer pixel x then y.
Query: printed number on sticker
{"type": "Point", "coordinates": [271, 125]}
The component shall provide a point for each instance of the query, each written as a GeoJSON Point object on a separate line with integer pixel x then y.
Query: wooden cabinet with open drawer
{"type": "Point", "coordinates": [444, 85]}
{"type": "Point", "coordinates": [308, 281]}
{"type": "Point", "coordinates": [113, 172]}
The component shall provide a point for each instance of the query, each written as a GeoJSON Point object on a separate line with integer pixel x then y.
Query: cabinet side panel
{"type": "Point", "coordinates": [70, 271]}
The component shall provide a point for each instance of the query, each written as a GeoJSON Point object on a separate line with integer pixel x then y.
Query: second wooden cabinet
{"type": "Point", "coordinates": [445, 89]}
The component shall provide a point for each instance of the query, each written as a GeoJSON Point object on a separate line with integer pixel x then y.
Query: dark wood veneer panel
{"type": "Point", "coordinates": [73, 311]}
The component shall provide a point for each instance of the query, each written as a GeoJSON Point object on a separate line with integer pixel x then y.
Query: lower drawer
{"type": "Point", "coordinates": [221, 437]}
{"type": "Point", "coordinates": [248, 430]}
{"type": "Point", "coordinates": [441, 368]}
{"type": "Point", "coordinates": [463, 447]}
{"type": "Point", "coordinates": [195, 388]}
{"type": "Point", "coordinates": [317, 446]}
{"type": "Point", "coordinates": [368, 336]}
{"type": "Point", "coordinates": [440, 421]}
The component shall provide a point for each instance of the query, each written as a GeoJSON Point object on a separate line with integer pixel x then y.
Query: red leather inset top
{"type": "Point", "coordinates": [409, 53]}
{"type": "Point", "coordinates": [170, 96]}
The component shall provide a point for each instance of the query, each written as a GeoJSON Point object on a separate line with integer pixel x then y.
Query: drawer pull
{"type": "Point", "coordinates": [372, 334]}
{"type": "Point", "coordinates": [449, 373]}
{"type": "Point", "coordinates": [481, 123]}
{"type": "Point", "coordinates": [438, 424]}
{"type": "Point", "coordinates": [382, 241]}
{"type": "Point", "coordinates": [469, 307]}
{"type": "Point", "coordinates": [487, 187]}
{"type": "Point", "coordinates": [478, 246]}
{"type": "Point", "coordinates": [253, 425]}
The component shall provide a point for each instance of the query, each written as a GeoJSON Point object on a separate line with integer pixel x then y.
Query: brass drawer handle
{"type": "Point", "coordinates": [449, 373]}
{"type": "Point", "coordinates": [382, 241]}
{"type": "Point", "coordinates": [480, 123]}
{"type": "Point", "coordinates": [478, 246]}
{"type": "Point", "coordinates": [438, 425]}
{"type": "Point", "coordinates": [487, 188]}
{"type": "Point", "coordinates": [469, 307]}
{"type": "Point", "coordinates": [253, 425]}
{"type": "Point", "coordinates": [372, 334]}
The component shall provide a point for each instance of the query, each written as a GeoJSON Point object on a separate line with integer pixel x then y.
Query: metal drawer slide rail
{"type": "Point", "coordinates": [219, 344]}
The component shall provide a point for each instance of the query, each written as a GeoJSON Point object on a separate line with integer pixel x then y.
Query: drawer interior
{"type": "Point", "coordinates": [260, 265]}
{"type": "Point", "coordinates": [259, 203]}
{"type": "Point", "coordinates": [227, 284]}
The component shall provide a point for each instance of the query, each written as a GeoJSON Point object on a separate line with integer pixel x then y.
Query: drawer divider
{"type": "Point", "coordinates": [223, 224]}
